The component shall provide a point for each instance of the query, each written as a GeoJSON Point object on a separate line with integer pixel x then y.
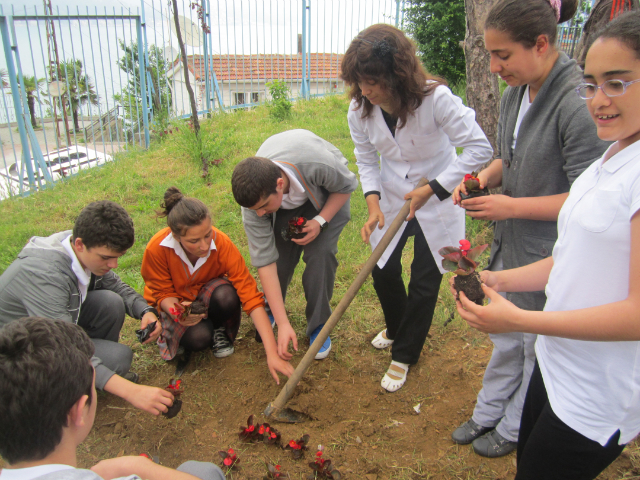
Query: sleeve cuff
{"type": "Point", "coordinates": [372, 192]}
{"type": "Point", "coordinates": [439, 190]}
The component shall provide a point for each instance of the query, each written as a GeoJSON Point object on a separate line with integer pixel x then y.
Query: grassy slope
{"type": "Point", "coordinates": [138, 179]}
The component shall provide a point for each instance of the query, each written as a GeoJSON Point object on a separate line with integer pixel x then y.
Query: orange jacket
{"type": "Point", "coordinates": [165, 274]}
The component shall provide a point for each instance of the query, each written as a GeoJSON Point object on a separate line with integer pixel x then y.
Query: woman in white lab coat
{"type": "Point", "coordinates": [405, 125]}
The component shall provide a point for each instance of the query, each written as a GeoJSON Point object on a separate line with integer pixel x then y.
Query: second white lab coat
{"type": "Point", "coordinates": [423, 147]}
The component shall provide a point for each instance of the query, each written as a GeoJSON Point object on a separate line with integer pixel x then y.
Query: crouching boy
{"type": "Point", "coordinates": [48, 405]}
{"type": "Point", "coordinates": [295, 174]}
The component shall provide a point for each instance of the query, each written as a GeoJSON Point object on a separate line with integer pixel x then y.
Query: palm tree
{"type": "Point", "coordinates": [31, 86]}
{"type": "Point", "coordinates": [80, 88]}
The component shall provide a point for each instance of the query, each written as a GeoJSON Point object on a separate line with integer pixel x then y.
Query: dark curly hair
{"type": "Point", "coordinates": [384, 54]}
{"type": "Point", "coordinates": [254, 179]}
{"type": "Point", "coordinates": [45, 369]}
{"type": "Point", "coordinates": [525, 20]}
{"type": "Point", "coordinates": [105, 224]}
{"type": "Point", "coordinates": [182, 212]}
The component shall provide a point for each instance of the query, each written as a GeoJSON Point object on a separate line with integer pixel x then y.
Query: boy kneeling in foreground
{"type": "Point", "coordinates": [48, 405]}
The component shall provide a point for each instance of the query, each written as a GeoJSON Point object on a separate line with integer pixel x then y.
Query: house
{"type": "Point", "coordinates": [242, 79]}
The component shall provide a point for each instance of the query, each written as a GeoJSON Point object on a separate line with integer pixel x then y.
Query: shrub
{"type": "Point", "coordinates": [280, 105]}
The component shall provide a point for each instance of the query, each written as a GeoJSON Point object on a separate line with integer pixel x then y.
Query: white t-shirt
{"type": "Point", "coordinates": [594, 387]}
{"type": "Point", "coordinates": [54, 471]}
{"type": "Point", "coordinates": [83, 274]}
{"type": "Point", "coordinates": [296, 196]}
{"type": "Point", "coordinates": [525, 104]}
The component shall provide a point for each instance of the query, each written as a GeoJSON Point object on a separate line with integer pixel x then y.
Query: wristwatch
{"type": "Point", "coordinates": [149, 309]}
{"type": "Point", "coordinates": [323, 223]}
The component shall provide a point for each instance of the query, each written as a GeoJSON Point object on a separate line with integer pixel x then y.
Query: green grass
{"type": "Point", "coordinates": [137, 180]}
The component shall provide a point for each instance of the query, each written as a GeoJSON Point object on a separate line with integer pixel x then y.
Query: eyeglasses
{"type": "Point", "coordinates": [611, 88]}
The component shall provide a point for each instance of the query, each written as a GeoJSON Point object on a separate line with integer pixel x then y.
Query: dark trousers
{"type": "Point", "coordinates": [102, 316]}
{"type": "Point", "coordinates": [408, 316]}
{"type": "Point", "coordinates": [548, 449]}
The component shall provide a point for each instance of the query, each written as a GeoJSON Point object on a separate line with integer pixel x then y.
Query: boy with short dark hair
{"type": "Point", "coordinates": [295, 174]}
{"type": "Point", "coordinates": [46, 412]}
{"type": "Point", "coordinates": [67, 276]}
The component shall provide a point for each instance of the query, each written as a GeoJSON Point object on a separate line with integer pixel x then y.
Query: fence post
{"type": "Point", "coordinates": [143, 83]}
{"type": "Point", "coordinates": [397, 13]}
{"type": "Point", "coordinates": [305, 86]}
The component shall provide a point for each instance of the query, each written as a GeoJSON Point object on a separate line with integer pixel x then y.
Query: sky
{"type": "Point", "coordinates": [238, 27]}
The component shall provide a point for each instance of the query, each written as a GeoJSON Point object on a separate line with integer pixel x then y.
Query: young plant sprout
{"type": "Point", "coordinates": [182, 310]}
{"type": "Point", "coordinates": [262, 432]}
{"type": "Point", "coordinates": [322, 467]}
{"type": "Point", "coordinates": [175, 388]}
{"type": "Point", "coordinates": [298, 447]}
{"type": "Point", "coordinates": [229, 459]}
{"type": "Point", "coordinates": [463, 262]}
{"type": "Point", "coordinates": [294, 229]}
{"type": "Point", "coordinates": [274, 472]}
{"type": "Point", "coordinates": [472, 184]}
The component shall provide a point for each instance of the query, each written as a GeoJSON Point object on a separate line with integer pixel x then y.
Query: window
{"type": "Point", "coordinates": [242, 97]}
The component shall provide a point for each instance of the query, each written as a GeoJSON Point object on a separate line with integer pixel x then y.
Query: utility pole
{"type": "Point", "coordinates": [51, 38]}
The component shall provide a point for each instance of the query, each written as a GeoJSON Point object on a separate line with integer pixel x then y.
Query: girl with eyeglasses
{"type": "Point", "coordinates": [546, 139]}
{"type": "Point", "coordinates": [583, 401]}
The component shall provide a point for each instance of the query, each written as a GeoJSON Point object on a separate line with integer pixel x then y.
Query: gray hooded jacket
{"type": "Point", "coordinates": [41, 283]}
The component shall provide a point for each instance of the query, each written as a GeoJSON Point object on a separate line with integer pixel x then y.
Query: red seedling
{"type": "Point", "coordinates": [322, 468]}
{"type": "Point", "coordinates": [472, 184]}
{"type": "Point", "coordinates": [270, 435]}
{"type": "Point", "coordinates": [273, 472]}
{"type": "Point", "coordinates": [250, 433]}
{"type": "Point", "coordinates": [175, 388]}
{"type": "Point", "coordinates": [229, 458]}
{"type": "Point", "coordinates": [294, 229]}
{"type": "Point", "coordinates": [463, 262]}
{"type": "Point", "coordinates": [298, 447]}
{"type": "Point", "coordinates": [178, 311]}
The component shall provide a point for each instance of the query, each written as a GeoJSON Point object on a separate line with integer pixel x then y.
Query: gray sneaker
{"type": "Point", "coordinates": [493, 445]}
{"type": "Point", "coordinates": [221, 344]}
{"type": "Point", "coordinates": [468, 432]}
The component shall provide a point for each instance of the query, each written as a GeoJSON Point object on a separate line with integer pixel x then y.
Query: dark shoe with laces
{"type": "Point", "coordinates": [493, 445]}
{"type": "Point", "coordinates": [468, 432]}
{"type": "Point", "coordinates": [132, 377]}
{"type": "Point", "coordinates": [221, 344]}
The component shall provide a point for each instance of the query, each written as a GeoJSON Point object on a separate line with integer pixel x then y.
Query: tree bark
{"type": "Point", "coordinates": [31, 102]}
{"type": "Point", "coordinates": [185, 67]}
{"type": "Point", "coordinates": [483, 92]}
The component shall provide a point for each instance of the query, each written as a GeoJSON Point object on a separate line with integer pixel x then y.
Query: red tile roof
{"type": "Point", "coordinates": [246, 67]}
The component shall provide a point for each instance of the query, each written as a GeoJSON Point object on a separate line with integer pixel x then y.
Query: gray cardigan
{"type": "Point", "coordinates": [556, 142]}
{"type": "Point", "coordinates": [41, 283]}
{"type": "Point", "coordinates": [319, 167]}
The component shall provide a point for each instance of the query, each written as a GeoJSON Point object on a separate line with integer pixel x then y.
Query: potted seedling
{"type": "Point", "coordinates": [463, 262]}
{"type": "Point", "coordinates": [183, 309]}
{"type": "Point", "coordinates": [472, 184]}
{"type": "Point", "coordinates": [174, 388]}
{"type": "Point", "coordinates": [294, 228]}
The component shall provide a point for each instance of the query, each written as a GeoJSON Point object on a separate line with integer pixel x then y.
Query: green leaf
{"type": "Point", "coordinates": [474, 253]}
{"type": "Point", "coordinates": [449, 266]}
{"type": "Point", "coordinates": [467, 265]}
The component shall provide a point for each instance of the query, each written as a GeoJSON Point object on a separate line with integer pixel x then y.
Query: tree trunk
{"type": "Point", "coordinates": [76, 123]}
{"type": "Point", "coordinates": [31, 102]}
{"type": "Point", "coordinates": [483, 92]}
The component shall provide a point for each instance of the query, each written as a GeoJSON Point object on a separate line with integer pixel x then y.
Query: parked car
{"type": "Point", "coordinates": [60, 164]}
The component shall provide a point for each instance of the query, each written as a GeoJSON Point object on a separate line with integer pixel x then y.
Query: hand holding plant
{"type": "Point", "coordinates": [462, 262]}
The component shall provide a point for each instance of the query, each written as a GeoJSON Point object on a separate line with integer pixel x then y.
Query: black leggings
{"type": "Point", "coordinates": [223, 304]}
{"type": "Point", "coordinates": [548, 449]}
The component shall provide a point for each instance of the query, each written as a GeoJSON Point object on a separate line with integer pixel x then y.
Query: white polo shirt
{"type": "Point", "coordinates": [82, 274]}
{"type": "Point", "coordinates": [171, 242]}
{"type": "Point", "coordinates": [594, 387]}
{"type": "Point", "coordinates": [296, 196]}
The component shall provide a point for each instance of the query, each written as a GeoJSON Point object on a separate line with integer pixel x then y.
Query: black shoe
{"type": "Point", "coordinates": [468, 432]}
{"type": "Point", "coordinates": [493, 445]}
{"type": "Point", "coordinates": [221, 344]}
{"type": "Point", "coordinates": [132, 377]}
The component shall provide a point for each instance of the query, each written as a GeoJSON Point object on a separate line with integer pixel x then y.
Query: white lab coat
{"type": "Point", "coordinates": [423, 147]}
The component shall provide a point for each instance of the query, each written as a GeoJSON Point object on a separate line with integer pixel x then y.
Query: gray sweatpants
{"type": "Point", "coordinates": [202, 470]}
{"type": "Point", "coordinates": [319, 256]}
{"type": "Point", "coordinates": [506, 380]}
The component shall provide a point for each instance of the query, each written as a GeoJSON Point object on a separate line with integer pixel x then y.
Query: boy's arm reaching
{"type": "Point", "coordinates": [274, 362]}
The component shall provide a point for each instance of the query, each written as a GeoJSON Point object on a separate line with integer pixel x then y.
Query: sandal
{"type": "Point", "coordinates": [395, 377]}
{"type": "Point", "coordinates": [381, 341]}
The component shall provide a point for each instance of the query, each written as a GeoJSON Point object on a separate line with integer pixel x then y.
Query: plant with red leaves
{"type": "Point", "coordinates": [250, 433]}
{"type": "Point", "coordinates": [175, 389]}
{"type": "Point", "coordinates": [273, 473]}
{"type": "Point", "coordinates": [463, 262]}
{"type": "Point", "coordinates": [472, 184]}
{"type": "Point", "coordinates": [229, 459]}
{"type": "Point", "coordinates": [298, 447]}
{"type": "Point", "coordinates": [270, 435]}
{"type": "Point", "coordinates": [294, 229]}
{"type": "Point", "coordinates": [322, 467]}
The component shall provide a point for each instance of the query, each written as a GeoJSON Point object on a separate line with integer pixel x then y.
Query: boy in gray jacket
{"type": "Point", "coordinates": [68, 276]}
{"type": "Point", "coordinates": [295, 174]}
{"type": "Point", "coordinates": [46, 413]}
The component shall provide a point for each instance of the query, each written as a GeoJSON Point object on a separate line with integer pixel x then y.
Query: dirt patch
{"type": "Point", "coordinates": [367, 433]}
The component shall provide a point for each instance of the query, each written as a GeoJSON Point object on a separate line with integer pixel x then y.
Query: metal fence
{"type": "Point", "coordinates": [568, 38]}
{"type": "Point", "coordinates": [80, 85]}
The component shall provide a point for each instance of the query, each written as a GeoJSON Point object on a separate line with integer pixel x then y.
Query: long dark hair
{"type": "Point", "coordinates": [525, 20]}
{"type": "Point", "coordinates": [182, 212]}
{"type": "Point", "coordinates": [625, 29]}
{"type": "Point", "coordinates": [384, 54]}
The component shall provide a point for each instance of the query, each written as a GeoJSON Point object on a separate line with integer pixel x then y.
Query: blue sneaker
{"type": "Point", "coordinates": [326, 347]}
